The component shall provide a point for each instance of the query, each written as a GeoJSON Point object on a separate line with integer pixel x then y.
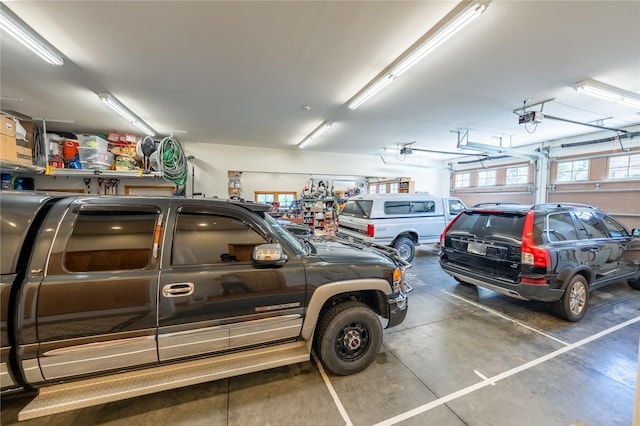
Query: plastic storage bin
{"type": "Point", "coordinates": [93, 141]}
{"type": "Point", "coordinates": [95, 158]}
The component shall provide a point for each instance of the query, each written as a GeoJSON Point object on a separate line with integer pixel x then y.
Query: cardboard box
{"type": "Point", "coordinates": [24, 155]}
{"type": "Point", "coordinates": [7, 126]}
{"type": "Point", "coordinates": [10, 151]}
{"type": "Point", "coordinates": [8, 148]}
{"type": "Point", "coordinates": [30, 127]}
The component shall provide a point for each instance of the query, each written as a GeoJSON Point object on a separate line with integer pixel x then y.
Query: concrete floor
{"type": "Point", "coordinates": [463, 356]}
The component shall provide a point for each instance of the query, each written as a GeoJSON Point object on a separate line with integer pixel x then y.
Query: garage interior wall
{"type": "Point", "coordinates": [267, 170]}
{"type": "Point", "coordinates": [289, 170]}
{"type": "Point", "coordinates": [620, 197]}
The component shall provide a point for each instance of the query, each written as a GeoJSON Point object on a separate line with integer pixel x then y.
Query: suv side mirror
{"type": "Point", "coordinates": [635, 232]}
{"type": "Point", "coordinates": [265, 255]}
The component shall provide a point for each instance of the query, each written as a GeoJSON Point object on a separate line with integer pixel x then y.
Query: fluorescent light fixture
{"type": "Point", "coordinates": [25, 35]}
{"type": "Point", "coordinates": [610, 93]}
{"type": "Point", "coordinates": [123, 111]}
{"type": "Point", "coordinates": [459, 17]}
{"type": "Point", "coordinates": [315, 134]}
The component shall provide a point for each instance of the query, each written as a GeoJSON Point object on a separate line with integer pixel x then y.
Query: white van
{"type": "Point", "coordinates": [401, 221]}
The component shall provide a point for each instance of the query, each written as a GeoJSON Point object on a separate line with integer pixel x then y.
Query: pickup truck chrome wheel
{"type": "Point", "coordinates": [348, 338]}
{"type": "Point", "coordinates": [406, 248]}
{"type": "Point", "coordinates": [573, 303]}
{"type": "Point", "coordinates": [353, 342]}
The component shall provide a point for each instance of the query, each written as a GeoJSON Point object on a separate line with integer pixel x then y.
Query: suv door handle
{"type": "Point", "coordinates": [178, 289]}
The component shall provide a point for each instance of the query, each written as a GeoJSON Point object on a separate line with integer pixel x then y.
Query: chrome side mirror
{"type": "Point", "coordinates": [268, 255]}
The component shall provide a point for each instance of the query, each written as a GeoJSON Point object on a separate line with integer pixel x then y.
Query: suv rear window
{"type": "Point", "coordinates": [358, 208]}
{"type": "Point", "coordinates": [489, 225]}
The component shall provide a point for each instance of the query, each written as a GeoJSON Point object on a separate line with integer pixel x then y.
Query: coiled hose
{"type": "Point", "coordinates": [172, 163]}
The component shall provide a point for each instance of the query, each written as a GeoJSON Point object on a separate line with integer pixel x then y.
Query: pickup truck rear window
{"type": "Point", "coordinates": [110, 241]}
{"type": "Point", "coordinates": [357, 208]}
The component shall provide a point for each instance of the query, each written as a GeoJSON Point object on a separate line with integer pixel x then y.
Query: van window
{"type": "Point", "coordinates": [357, 208]}
{"type": "Point", "coordinates": [409, 207]}
{"type": "Point", "coordinates": [110, 241]}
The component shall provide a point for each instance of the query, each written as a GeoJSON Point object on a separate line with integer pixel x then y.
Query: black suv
{"type": "Point", "coordinates": [555, 253]}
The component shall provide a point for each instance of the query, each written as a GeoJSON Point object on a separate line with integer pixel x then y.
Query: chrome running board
{"type": "Point", "coordinates": [74, 395]}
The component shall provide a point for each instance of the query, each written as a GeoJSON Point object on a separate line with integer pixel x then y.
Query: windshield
{"type": "Point", "coordinates": [357, 208]}
{"type": "Point", "coordinates": [285, 235]}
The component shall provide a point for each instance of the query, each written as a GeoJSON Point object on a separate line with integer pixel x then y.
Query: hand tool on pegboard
{"type": "Point", "coordinates": [100, 182]}
{"type": "Point", "coordinates": [87, 183]}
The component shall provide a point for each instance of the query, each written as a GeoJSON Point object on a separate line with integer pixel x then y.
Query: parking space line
{"type": "Point", "coordinates": [501, 315]}
{"type": "Point", "coordinates": [332, 391]}
{"type": "Point", "coordinates": [482, 376]}
{"type": "Point", "coordinates": [492, 380]}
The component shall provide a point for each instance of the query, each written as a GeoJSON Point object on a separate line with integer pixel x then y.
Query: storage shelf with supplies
{"type": "Point", "coordinates": [52, 171]}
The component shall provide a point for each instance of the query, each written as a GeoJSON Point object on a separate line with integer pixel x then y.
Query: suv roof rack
{"type": "Point", "coordinates": [499, 203]}
{"type": "Point", "coordinates": [559, 205]}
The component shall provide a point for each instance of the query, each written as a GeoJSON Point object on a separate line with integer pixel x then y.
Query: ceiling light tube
{"type": "Point", "coordinates": [124, 111]}
{"type": "Point", "coordinates": [25, 35]}
{"type": "Point", "coordinates": [319, 131]}
{"type": "Point", "coordinates": [462, 15]}
{"type": "Point", "coordinates": [608, 92]}
{"type": "Point", "coordinates": [370, 90]}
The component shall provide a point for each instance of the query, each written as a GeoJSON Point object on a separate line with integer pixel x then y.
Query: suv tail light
{"type": "Point", "coordinates": [446, 229]}
{"type": "Point", "coordinates": [532, 254]}
{"type": "Point", "coordinates": [370, 230]}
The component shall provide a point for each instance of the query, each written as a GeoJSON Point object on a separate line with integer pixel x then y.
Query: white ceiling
{"type": "Point", "coordinates": [240, 73]}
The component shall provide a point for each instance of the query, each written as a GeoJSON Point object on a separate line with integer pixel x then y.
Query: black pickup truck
{"type": "Point", "coordinates": [105, 298]}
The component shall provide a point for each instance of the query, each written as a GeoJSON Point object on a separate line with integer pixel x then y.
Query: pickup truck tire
{"type": "Point", "coordinates": [634, 284]}
{"type": "Point", "coordinates": [349, 338]}
{"type": "Point", "coordinates": [574, 301]}
{"type": "Point", "coordinates": [406, 247]}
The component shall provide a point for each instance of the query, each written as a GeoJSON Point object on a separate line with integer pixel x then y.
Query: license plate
{"type": "Point", "coordinates": [477, 248]}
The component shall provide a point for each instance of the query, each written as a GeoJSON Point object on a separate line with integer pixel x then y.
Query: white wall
{"type": "Point", "coordinates": [289, 170]}
{"type": "Point", "coordinates": [277, 170]}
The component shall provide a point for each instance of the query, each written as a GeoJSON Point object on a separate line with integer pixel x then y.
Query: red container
{"type": "Point", "coordinates": [70, 149]}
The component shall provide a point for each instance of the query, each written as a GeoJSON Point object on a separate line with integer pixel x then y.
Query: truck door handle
{"type": "Point", "coordinates": [590, 249]}
{"type": "Point", "coordinates": [178, 289]}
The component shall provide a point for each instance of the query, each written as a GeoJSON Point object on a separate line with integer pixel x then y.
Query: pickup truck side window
{"type": "Point", "coordinates": [205, 239]}
{"type": "Point", "coordinates": [409, 207]}
{"type": "Point", "coordinates": [110, 241]}
{"type": "Point", "coordinates": [455, 207]}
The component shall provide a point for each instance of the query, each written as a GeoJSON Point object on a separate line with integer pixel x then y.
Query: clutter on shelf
{"type": "Point", "coordinates": [235, 185]}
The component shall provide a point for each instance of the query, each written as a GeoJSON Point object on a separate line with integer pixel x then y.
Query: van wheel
{"type": "Point", "coordinates": [635, 284]}
{"type": "Point", "coordinates": [349, 338]}
{"type": "Point", "coordinates": [574, 301]}
{"type": "Point", "coordinates": [406, 248]}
